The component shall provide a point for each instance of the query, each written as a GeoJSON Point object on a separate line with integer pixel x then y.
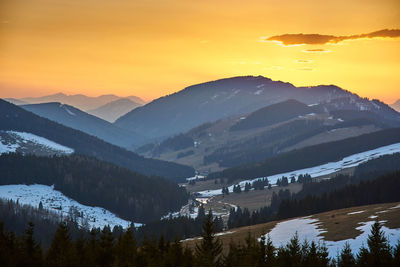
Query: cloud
{"type": "Point", "coordinates": [304, 61]}
{"type": "Point", "coordinates": [300, 38]}
{"type": "Point", "coordinates": [306, 69]}
{"type": "Point", "coordinates": [317, 50]}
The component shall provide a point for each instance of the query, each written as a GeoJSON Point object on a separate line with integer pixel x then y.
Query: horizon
{"type": "Point", "coordinates": [155, 49]}
{"type": "Point", "coordinates": [147, 100]}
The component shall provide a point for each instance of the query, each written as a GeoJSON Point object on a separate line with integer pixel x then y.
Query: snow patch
{"type": "Point", "coordinates": [69, 111]}
{"type": "Point", "coordinates": [324, 169]}
{"type": "Point", "coordinates": [56, 201]}
{"type": "Point", "coordinates": [307, 229]}
{"type": "Point", "coordinates": [355, 212]}
{"type": "Point", "coordinates": [7, 148]}
{"type": "Point", "coordinates": [42, 141]}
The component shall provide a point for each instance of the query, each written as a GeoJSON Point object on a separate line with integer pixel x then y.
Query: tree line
{"type": "Point", "coordinates": [306, 157]}
{"type": "Point", "coordinates": [336, 193]}
{"type": "Point", "coordinates": [101, 248]}
{"type": "Point", "coordinates": [92, 182]}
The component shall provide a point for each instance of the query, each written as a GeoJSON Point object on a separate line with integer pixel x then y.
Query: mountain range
{"type": "Point", "coordinates": [114, 109]}
{"type": "Point", "coordinates": [79, 101]}
{"type": "Point", "coordinates": [221, 99]}
{"type": "Point", "coordinates": [264, 133]}
{"type": "Point", "coordinates": [14, 118]}
{"type": "Point", "coordinates": [80, 120]}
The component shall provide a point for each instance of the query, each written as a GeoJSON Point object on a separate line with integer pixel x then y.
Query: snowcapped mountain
{"type": "Point", "coordinates": [77, 119]}
{"type": "Point", "coordinates": [115, 109]}
{"type": "Point", "coordinates": [223, 98]}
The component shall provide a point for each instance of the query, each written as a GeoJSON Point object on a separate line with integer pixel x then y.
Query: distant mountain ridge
{"type": "Point", "coordinates": [14, 118]}
{"type": "Point", "coordinates": [80, 120]}
{"type": "Point", "coordinates": [396, 105]}
{"type": "Point", "coordinates": [211, 101]}
{"type": "Point", "coordinates": [80, 101]}
{"type": "Point", "coordinates": [114, 109]}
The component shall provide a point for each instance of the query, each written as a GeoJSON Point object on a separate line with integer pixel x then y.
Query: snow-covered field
{"type": "Point", "coordinates": [21, 139]}
{"type": "Point", "coordinates": [56, 201]}
{"type": "Point", "coordinates": [324, 169]}
{"type": "Point", "coordinates": [307, 229]}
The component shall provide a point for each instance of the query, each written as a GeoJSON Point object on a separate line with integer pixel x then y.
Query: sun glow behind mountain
{"type": "Point", "coordinates": [153, 48]}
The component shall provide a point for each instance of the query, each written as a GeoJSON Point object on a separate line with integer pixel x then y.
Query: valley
{"type": "Point", "coordinates": [259, 156]}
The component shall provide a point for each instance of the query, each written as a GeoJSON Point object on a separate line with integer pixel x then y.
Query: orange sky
{"type": "Point", "coordinates": [152, 48]}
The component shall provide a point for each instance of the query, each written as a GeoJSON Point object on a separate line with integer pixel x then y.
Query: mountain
{"type": "Point", "coordinates": [15, 101]}
{"type": "Point", "coordinates": [132, 196]}
{"type": "Point", "coordinates": [211, 101]}
{"type": "Point", "coordinates": [114, 109]}
{"type": "Point", "coordinates": [77, 119]}
{"type": "Point", "coordinates": [14, 118]}
{"type": "Point", "coordinates": [264, 133]}
{"type": "Point", "coordinates": [396, 105]}
{"type": "Point", "coordinates": [312, 155]}
{"type": "Point", "coordinates": [272, 114]}
{"type": "Point", "coordinates": [80, 101]}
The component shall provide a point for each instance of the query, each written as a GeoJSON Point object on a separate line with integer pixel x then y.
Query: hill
{"type": "Point", "coordinates": [312, 155]}
{"type": "Point", "coordinates": [17, 119]}
{"type": "Point", "coordinates": [340, 225]}
{"type": "Point", "coordinates": [272, 114]}
{"type": "Point", "coordinates": [115, 109]}
{"type": "Point", "coordinates": [211, 101]}
{"type": "Point", "coordinates": [265, 133]}
{"type": "Point", "coordinates": [91, 182]}
{"type": "Point", "coordinates": [80, 120]}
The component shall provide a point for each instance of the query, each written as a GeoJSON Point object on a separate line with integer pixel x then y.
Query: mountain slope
{"type": "Point", "coordinates": [115, 109]}
{"type": "Point", "coordinates": [91, 182]}
{"type": "Point", "coordinates": [220, 99]}
{"type": "Point", "coordinates": [77, 119]}
{"type": "Point", "coordinates": [272, 114]}
{"type": "Point", "coordinates": [15, 101]}
{"type": "Point", "coordinates": [312, 155]}
{"type": "Point", "coordinates": [264, 133]}
{"type": "Point", "coordinates": [396, 105]}
{"type": "Point", "coordinates": [18, 119]}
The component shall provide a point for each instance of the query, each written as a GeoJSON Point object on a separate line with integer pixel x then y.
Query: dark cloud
{"type": "Point", "coordinates": [297, 39]}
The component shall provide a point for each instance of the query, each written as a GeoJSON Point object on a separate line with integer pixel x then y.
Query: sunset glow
{"type": "Point", "coordinates": [154, 48]}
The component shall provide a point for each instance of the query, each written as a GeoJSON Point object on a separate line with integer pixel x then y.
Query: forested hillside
{"type": "Point", "coordinates": [311, 156]}
{"type": "Point", "coordinates": [272, 114]}
{"type": "Point", "coordinates": [18, 119]}
{"type": "Point", "coordinates": [92, 182]}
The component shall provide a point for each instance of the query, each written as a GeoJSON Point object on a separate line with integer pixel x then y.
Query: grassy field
{"type": "Point", "coordinates": [339, 224]}
{"type": "Point", "coordinates": [254, 199]}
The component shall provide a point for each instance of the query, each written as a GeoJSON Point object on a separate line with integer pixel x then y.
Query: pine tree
{"type": "Point", "coordinates": [396, 255]}
{"type": "Point", "coordinates": [270, 251]}
{"type": "Point", "coordinates": [126, 250]}
{"type": "Point", "coordinates": [346, 258]}
{"type": "Point", "coordinates": [209, 250]}
{"type": "Point", "coordinates": [61, 251]}
{"type": "Point", "coordinates": [31, 252]}
{"type": "Point", "coordinates": [379, 248]}
{"type": "Point", "coordinates": [106, 247]}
